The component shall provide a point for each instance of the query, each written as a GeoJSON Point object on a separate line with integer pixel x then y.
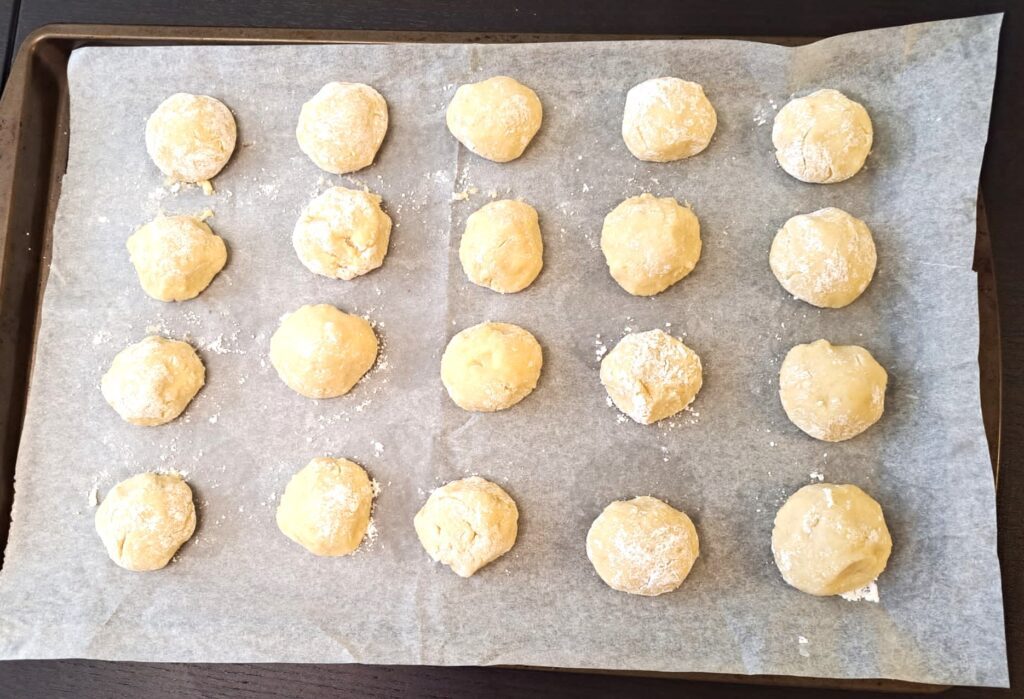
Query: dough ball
{"type": "Point", "coordinates": [495, 118]}
{"type": "Point", "coordinates": [832, 392]}
{"type": "Point", "coordinates": [830, 539]}
{"type": "Point", "coordinates": [151, 382]}
{"type": "Point", "coordinates": [823, 137]}
{"type": "Point", "coordinates": [326, 507]}
{"type": "Point", "coordinates": [144, 520]}
{"type": "Point", "coordinates": [467, 524]}
{"type": "Point", "coordinates": [651, 375]}
{"type": "Point", "coordinates": [190, 137]}
{"type": "Point", "coordinates": [321, 352]}
{"type": "Point", "coordinates": [176, 257]}
{"type": "Point", "coordinates": [342, 126]}
{"type": "Point", "coordinates": [491, 366]}
{"type": "Point", "coordinates": [642, 546]}
{"type": "Point", "coordinates": [650, 243]}
{"type": "Point", "coordinates": [502, 247]}
{"type": "Point", "coordinates": [667, 119]}
{"type": "Point", "coordinates": [826, 258]}
{"type": "Point", "coordinates": [342, 234]}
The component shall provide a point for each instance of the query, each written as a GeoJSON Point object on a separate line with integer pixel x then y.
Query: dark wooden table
{"type": "Point", "coordinates": [1002, 181]}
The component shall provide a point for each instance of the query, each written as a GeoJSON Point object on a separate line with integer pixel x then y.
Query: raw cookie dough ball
{"type": "Point", "coordinates": [151, 382]}
{"type": "Point", "coordinates": [176, 257]}
{"type": "Point", "coordinates": [830, 539]}
{"type": "Point", "coordinates": [823, 137]}
{"type": "Point", "coordinates": [321, 352]}
{"type": "Point", "coordinates": [342, 126]}
{"type": "Point", "coordinates": [832, 392]}
{"type": "Point", "coordinates": [326, 507]}
{"type": "Point", "coordinates": [667, 119]}
{"type": "Point", "coordinates": [467, 524]}
{"type": "Point", "coordinates": [491, 366]}
{"type": "Point", "coordinates": [145, 519]}
{"type": "Point", "coordinates": [502, 247]}
{"type": "Point", "coordinates": [826, 258]}
{"type": "Point", "coordinates": [342, 234]}
{"type": "Point", "coordinates": [651, 375]}
{"type": "Point", "coordinates": [495, 118]}
{"type": "Point", "coordinates": [642, 546]}
{"type": "Point", "coordinates": [650, 243]}
{"type": "Point", "coordinates": [190, 137]}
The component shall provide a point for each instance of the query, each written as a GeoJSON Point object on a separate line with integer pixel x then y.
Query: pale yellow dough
{"type": "Point", "coordinates": [495, 118]}
{"type": "Point", "coordinates": [191, 137]}
{"type": "Point", "coordinates": [667, 119]}
{"type": "Point", "coordinates": [502, 248]}
{"type": "Point", "coordinates": [342, 234]}
{"type": "Point", "coordinates": [342, 127]}
{"type": "Point", "coordinates": [491, 366]}
{"type": "Point", "coordinates": [176, 257]}
{"type": "Point", "coordinates": [151, 382]}
{"type": "Point", "coordinates": [824, 137]}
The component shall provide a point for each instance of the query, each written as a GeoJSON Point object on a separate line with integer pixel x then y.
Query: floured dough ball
{"type": "Point", "coordinates": [342, 126]}
{"type": "Point", "coordinates": [502, 247]}
{"type": "Point", "coordinates": [144, 520]}
{"type": "Point", "coordinates": [467, 524]}
{"type": "Point", "coordinates": [650, 243]}
{"type": "Point", "coordinates": [176, 257]}
{"type": "Point", "coordinates": [495, 118]}
{"type": "Point", "coordinates": [651, 375]}
{"type": "Point", "coordinates": [342, 234]}
{"type": "Point", "coordinates": [823, 137]}
{"type": "Point", "coordinates": [826, 258]}
{"type": "Point", "coordinates": [326, 507]}
{"type": "Point", "coordinates": [830, 539]}
{"type": "Point", "coordinates": [642, 546]}
{"type": "Point", "coordinates": [151, 382]}
{"type": "Point", "coordinates": [321, 352]}
{"type": "Point", "coordinates": [491, 366]}
{"type": "Point", "coordinates": [667, 119]}
{"type": "Point", "coordinates": [832, 392]}
{"type": "Point", "coordinates": [190, 137]}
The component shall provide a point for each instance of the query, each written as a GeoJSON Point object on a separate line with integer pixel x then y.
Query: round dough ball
{"type": "Point", "coordinates": [502, 247]}
{"type": "Point", "coordinates": [826, 258]}
{"type": "Point", "coordinates": [832, 392]}
{"type": "Point", "coordinates": [145, 519]}
{"type": "Point", "coordinates": [342, 126]}
{"type": "Point", "coordinates": [650, 243]}
{"type": "Point", "coordinates": [342, 234]}
{"type": "Point", "coordinates": [495, 118]}
{"type": "Point", "coordinates": [823, 137]}
{"type": "Point", "coordinates": [151, 382]}
{"type": "Point", "coordinates": [491, 366]}
{"type": "Point", "coordinates": [176, 257]}
{"type": "Point", "coordinates": [667, 119]}
{"type": "Point", "coordinates": [642, 546]}
{"type": "Point", "coordinates": [190, 137]}
{"type": "Point", "coordinates": [326, 507]}
{"type": "Point", "coordinates": [321, 352]}
{"type": "Point", "coordinates": [830, 539]}
{"type": "Point", "coordinates": [466, 524]}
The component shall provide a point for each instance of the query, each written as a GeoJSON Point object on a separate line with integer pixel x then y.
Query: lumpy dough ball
{"type": "Point", "coordinates": [190, 137]}
{"type": "Point", "coordinates": [830, 539]}
{"type": "Point", "coordinates": [826, 258]}
{"type": "Point", "coordinates": [342, 234]}
{"type": "Point", "coordinates": [321, 352]}
{"type": "Point", "coordinates": [176, 257]}
{"type": "Point", "coordinates": [151, 382]}
{"type": "Point", "coordinates": [495, 118]}
{"type": "Point", "coordinates": [342, 126]}
{"type": "Point", "coordinates": [667, 119]}
{"type": "Point", "coordinates": [823, 137]}
{"type": "Point", "coordinates": [144, 520]}
{"type": "Point", "coordinates": [832, 392]}
{"type": "Point", "coordinates": [502, 248]}
{"type": "Point", "coordinates": [642, 546]}
{"type": "Point", "coordinates": [491, 366]}
{"type": "Point", "coordinates": [466, 524]}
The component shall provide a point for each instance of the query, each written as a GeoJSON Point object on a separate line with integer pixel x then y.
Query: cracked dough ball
{"type": "Point", "coordinates": [495, 118]}
{"type": "Point", "coordinates": [151, 382]}
{"type": "Point", "coordinates": [467, 524]}
{"type": "Point", "coordinates": [650, 243]}
{"type": "Point", "coordinates": [321, 352]}
{"type": "Point", "coordinates": [826, 258]}
{"type": "Point", "coordinates": [832, 392]}
{"type": "Point", "coordinates": [823, 137]}
{"type": "Point", "coordinates": [830, 539]}
{"type": "Point", "coordinates": [176, 257]}
{"type": "Point", "coordinates": [145, 519]}
{"type": "Point", "coordinates": [342, 126]}
{"type": "Point", "coordinates": [667, 119]}
{"type": "Point", "coordinates": [642, 546]}
{"type": "Point", "coordinates": [190, 137]}
{"type": "Point", "coordinates": [491, 366]}
{"type": "Point", "coordinates": [502, 248]}
{"type": "Point", "coordinates": [342, 234]}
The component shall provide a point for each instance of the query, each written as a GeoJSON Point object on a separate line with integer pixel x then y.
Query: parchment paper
{"type": "Point", "coordinates": [241, 591]}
